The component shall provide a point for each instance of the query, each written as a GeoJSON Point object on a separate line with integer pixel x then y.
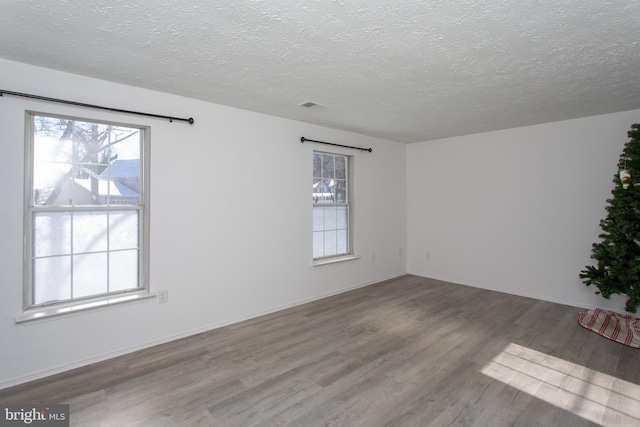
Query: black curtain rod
{"type": "Point", "coordinates": [81, 104]}
{"type": "Point", "coordinates": [303, 140]}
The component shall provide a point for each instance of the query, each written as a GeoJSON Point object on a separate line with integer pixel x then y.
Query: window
{"type": "Point", "coordinates": [86, 210]}
{"type": "Point", "coordinates": [331, 206]}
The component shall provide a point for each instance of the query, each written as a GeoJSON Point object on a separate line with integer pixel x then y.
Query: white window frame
{"type": "Point", "coordinates": [348, 204]}
{"type": "Point", "coordinates": [33, 311]}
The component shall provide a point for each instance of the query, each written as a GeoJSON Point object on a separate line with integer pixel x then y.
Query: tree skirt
{"type": "Point", "coordinates": [620, 328]}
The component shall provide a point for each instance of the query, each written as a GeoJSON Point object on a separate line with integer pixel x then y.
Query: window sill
{"type": "Point", "coordinates": [77, 307]}
{"type": "Point", "coordinates": [335, 260]}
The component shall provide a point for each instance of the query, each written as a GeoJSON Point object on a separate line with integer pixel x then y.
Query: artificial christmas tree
{"type": "Point", "coordinates": [618, 253]}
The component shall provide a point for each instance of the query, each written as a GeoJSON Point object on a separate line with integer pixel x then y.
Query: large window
{"type": "Point", "coordinates": [86, 208]}
{"type": "Point", "coordinates": [331, 206]}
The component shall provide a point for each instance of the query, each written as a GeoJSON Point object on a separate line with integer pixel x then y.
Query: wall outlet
{"type": "Point", "coordinates": [427, 255]}
{"type": "Point", "coordinates": [399, 251]}
{"type": "Point", "coordinates": [373, 257]}
{"type": "Point", "coordinates": [163, 297]}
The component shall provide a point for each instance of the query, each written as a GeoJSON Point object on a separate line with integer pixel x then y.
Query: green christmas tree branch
{"type": "Point", "coordinates": [617, 255]}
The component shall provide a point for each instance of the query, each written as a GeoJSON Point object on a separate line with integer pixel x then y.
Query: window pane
{"type": "Point", "coordinates": [317, 166]}
{"type": "Point", "coordinates": [328, 166]}
{"type": "Point", "coordinates": [123, 270]}
{"type": "Point", "coordinates": [129, 142]}
{"type": "Point", "coordinates": [123, 230]}
{"type": "Point", "coordinates": [330, 218]}
{"type": "Point", "coordinates": [51, 233]}
{"type": "Point", "coordinates": [341, 167]}
{"type": "Point", "coordinates": [341, 241]}
{"type": "Point", "coordinates": [120, 183]}
{"type": "Point", "coordinates": [51, 169]}
{"type": "Point", "coordinates": [317, 190]}
{"type": "Point", "coordinates": [79, 191]}
{"type": "Point", "coordinates": [341, 191]}
{"type": "Point", "coordinates": [51, 279]}
{"type": "Point", "coordinates": [342, 218]}
{"type": "Point", "coordinates": [89, 275]}
{"type": "Point", "coordinates": [89, 231]}
{"type": "Point", "coordinates": [326, 189]}
{"type": "Point", "coordinates": [318, 244]}
{"type": "Point", "coordinates": [330, 242]}
{"type": "Point", "coordinates": [318, 219]}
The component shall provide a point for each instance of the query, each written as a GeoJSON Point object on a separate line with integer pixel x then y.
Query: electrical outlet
{"type": "Point", "coordinates": [163, 297]}
{"type": "Point", "coordinates": [399, 251]}
{"type": "Point", "coordinates": [373, 257]}
{"type": "Point", "coordinates": [427, 255]}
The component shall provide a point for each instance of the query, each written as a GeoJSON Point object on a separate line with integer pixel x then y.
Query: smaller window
{"type": "Point", "coordinates": [331, 206]}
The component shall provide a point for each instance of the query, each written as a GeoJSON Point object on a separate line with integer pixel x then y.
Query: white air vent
{"type": "Point", "coordinates": [312, 105]}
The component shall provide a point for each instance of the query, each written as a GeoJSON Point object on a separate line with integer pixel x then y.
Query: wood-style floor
{"type": "Point", "coordinates": [405, 352]}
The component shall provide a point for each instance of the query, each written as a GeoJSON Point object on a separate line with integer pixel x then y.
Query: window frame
{"type": "Point", "coordinates": [350, 252]}
{"type": "Point", "coordinates": [33, 311]}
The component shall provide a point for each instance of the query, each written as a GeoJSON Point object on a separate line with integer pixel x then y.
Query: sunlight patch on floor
{"type": "Point", "coordinates": [592, 395]}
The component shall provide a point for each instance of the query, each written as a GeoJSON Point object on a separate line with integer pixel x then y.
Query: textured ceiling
{"type": "Point", "coordinates": [403, 70]}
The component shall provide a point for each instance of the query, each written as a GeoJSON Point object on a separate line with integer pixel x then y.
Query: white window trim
{"type": "Point", "coordinates": [48, 312]}
{"type": "Point", "coordinates": [334, 260]}
{"type": "Point", "coordinates": [32, 313]}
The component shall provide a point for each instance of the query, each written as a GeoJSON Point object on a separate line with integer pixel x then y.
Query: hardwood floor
{"type": "Point", "coordinates": [405, 352]}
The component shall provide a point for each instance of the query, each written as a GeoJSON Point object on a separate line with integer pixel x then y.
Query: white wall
{"type": "Point", "coordinates": [223, 250]}
{"type": "Point", "coordinates": [515, 210]}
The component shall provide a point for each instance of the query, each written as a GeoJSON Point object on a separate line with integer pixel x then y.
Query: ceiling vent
{"type": "Point", "coordinates": [312, 105]}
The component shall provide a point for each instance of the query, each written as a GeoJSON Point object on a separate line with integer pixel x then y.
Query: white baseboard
{"type": "Point", "coordinates": [571, 303]}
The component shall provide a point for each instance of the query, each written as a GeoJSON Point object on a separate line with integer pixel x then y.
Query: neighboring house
{"type": "Point", "coordinates": [126, 172]}
{"type": "Point", "coordinates": [323, 190]}
{"type": "Point", "coordinates": [118, 184]}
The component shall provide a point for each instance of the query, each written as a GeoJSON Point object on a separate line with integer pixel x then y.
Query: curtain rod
{"type": "Point", "coordinates": [303, 140]}
{"type": "Point", "coordinates": [81, 104]}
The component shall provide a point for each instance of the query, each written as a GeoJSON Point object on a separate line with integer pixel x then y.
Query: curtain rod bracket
{"type": "Point", "coordinates": [82, 104]}
{"type": "Point", "coordinates": [303, 140]}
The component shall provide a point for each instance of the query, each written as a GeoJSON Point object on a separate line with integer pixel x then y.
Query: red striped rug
{"type": "Point", "coordinates": [620, 328]}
